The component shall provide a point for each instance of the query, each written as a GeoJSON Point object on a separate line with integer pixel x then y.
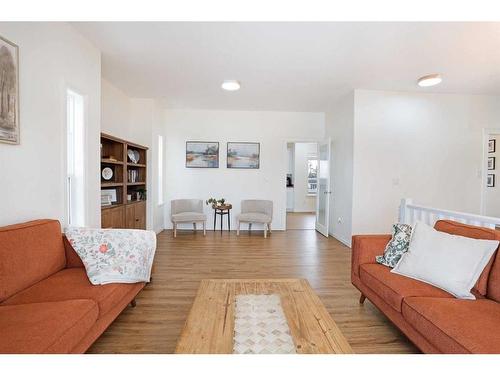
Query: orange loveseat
{"type": "Point", "coordinates": [47, 303]}
{"type": "Point", "coordinates": [435, 321]}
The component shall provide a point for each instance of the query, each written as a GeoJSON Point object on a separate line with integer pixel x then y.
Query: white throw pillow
{"type": "Point", "coordinates": [449, 262]}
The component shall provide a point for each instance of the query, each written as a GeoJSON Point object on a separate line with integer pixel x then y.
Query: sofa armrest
{"type": "Point", "coordinates": [365, 248]}
{"type": "Point", "coordinates": [72, 258]}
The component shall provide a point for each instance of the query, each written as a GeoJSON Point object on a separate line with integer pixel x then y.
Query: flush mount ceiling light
{"type": "Point", "coordinates": [231, 85]}
{"type": "Point", "coordinates": [430, 80]}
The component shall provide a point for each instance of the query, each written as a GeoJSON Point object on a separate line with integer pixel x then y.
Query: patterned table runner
{"type": "Point", "coordinates": [261, 326]}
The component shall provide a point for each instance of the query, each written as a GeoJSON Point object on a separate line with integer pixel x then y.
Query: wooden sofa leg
{"type": "Point", "coordinates": [362, 298]}
{"type": "Point", "coordinates": [133, 303]}
{"type": "Point", "coordinates": [204, 229]}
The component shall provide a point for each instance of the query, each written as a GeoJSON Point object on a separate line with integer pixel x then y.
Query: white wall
{"type": "Point", "coordinates": [423, 146]}
{"type": "Point", "coordinates": [340, 128]}
{"type": "Point", "coordinates": [302, 201]}
{"type": "Point", "coordinates": [138, 121]}
{"type": "Point", "coordinates": [53, 57]}
{"type": "Point", "coordinates": [271, 129]}
{"type": "Point", "coordinates": [491, 195]}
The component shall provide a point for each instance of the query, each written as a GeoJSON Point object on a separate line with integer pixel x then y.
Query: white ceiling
{"type": "Point", "coordinates": [292, 66]}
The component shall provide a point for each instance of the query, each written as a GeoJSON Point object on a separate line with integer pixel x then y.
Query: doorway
{"type": "Point", "coordinates": [301, 185]}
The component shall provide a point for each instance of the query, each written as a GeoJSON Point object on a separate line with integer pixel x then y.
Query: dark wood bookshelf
{"type": "Point", "coordinates": [123, 213]}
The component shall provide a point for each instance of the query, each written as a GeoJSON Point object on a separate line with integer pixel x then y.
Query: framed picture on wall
{"type": "Point", "coordinates": [243, 155]}
{"type": "Point", "coordinates": [492, 145]}
{"type": "Point", "coordinates": [490, 180]}
{"type": "Point", "coordinates": [491, 163]}
{"type": "Point", "coordinates": [202, 154]}
{"type": "Point", "coordinates": [9, 92]}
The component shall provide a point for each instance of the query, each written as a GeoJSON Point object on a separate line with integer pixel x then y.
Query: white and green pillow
{"type": "Point", "coordinates": [397, 246]}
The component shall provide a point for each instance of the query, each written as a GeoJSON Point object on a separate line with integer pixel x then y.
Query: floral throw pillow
{"type": "Point", "coordinates": [397, 246]}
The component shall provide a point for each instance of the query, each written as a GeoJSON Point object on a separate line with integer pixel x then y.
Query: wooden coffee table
{"type": "Point", "coordinates": [210, 324]}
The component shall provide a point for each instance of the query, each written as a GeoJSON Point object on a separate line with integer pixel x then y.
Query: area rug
{"type": "Point", "coordinates": [261, 326]}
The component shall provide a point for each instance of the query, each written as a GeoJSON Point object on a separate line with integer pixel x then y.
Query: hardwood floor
{"type": "Point", "coordinates": [155, 324]}
{"type": "Point", "coordinates": [300, 220]}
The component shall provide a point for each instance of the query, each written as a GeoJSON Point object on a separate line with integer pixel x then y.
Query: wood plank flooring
{"type": "Point", "coordinates": [300, 220]}
{"type": "Point", "coordinates": [155, 324]}
{"type": "Point", "coordinates": [210, 325]}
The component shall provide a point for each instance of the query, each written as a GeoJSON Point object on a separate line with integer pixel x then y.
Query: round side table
{"type": "Point", "coordinates": [222, 210]}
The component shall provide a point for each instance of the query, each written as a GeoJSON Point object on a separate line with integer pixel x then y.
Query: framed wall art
{"type": "Point", "coordinates": [492, 145]}
{"type": "Point", "coordinates": [244, 155]}
{"type": "Point", "coordinates": [9, 92]}
{"type": "Point", "coordinates": [202, 154]}
{"type": "Point", "coordinates": [490, 180]}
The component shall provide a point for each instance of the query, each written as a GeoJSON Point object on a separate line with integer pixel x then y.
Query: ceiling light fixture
{"type": "Point", "coordinates": [231, 85]}
{"type": "Point", "coordinates": [430, 80]}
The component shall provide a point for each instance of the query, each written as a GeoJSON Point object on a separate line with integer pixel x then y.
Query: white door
{"type": "Point", "coordinates": [323, 195]}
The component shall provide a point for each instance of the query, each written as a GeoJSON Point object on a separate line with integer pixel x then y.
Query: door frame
{"type": "Point", "coordinates": [327, 141]}
{"type": "Point", "coordinates": [285, 164]}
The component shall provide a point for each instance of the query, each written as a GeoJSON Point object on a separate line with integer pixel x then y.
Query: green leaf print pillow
{"type": "Point", "coordinates": [397, 246]}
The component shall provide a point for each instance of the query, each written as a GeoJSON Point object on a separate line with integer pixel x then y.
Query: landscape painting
{"type": "Point", "coordinates": [202, 154]}
{"type": "Point", "coordinates": [9, 92]}
{"type": "Point", "coordinates": [243, 155]}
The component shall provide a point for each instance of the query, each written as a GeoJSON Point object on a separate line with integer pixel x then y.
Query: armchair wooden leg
{"type": "Point", "coordinates": [269, 227]}
{"type": "Point", "coordinates": [204, 229]}
{"type": "Point", "coordinates": [362, 298]}
{"type": "Point", "coordinates": [133, 303]}
{"type": "Point", "coordinates": [238, 225]}
{"type": "Point", "coordinates": [265, 230]}
{"type": "Point", "coordinates": [175, 230]}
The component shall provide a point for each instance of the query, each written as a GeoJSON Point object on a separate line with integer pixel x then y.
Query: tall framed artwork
{"type": "Point", "coordinates": [202, 154]}
{"type": "Point", "coordinates": [9, 92]}
{"type": "Point", "coordinates": [243, 155]}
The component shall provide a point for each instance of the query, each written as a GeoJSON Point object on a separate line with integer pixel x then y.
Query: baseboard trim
{"type": "Point", "coordinates": [341, 239]}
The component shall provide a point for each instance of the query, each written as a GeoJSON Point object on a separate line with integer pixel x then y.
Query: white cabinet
{"type": "Point", "coordinates": [289, 198]}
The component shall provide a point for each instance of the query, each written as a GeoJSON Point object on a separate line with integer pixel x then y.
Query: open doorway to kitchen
{"type": "Point", "coordinates": [301, 185]}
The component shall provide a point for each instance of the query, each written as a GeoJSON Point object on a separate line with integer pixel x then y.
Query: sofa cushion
{"type": "Point", "coordinates": [456, 326]}
{"type": "Point", "coordinates": [72, 283]}
{"type": "Point", "coordinates": [29, 252]}
{"type": "Point", "coordinates": [480, 233]}
{"type": "Point", "coordinates": [51, 327]}
{"type": "Point", "coordinates": [493, 291]}
{"type": "Point", "coordinates": [392, 288]}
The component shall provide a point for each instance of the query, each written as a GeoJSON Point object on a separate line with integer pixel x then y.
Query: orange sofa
{"type": "Point", "coordinates": [435, 321]}
{"type": "Point", "coordinates": [47, 304]}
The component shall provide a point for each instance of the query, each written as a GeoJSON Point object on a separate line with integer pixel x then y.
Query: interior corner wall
{"type": "Point", "coordinates": [428, 147]}
{"type": "Point", "coordinates": [53, 57]}
{"type": "Point", "coordinates": [340, 128]}
{"type": "Point", "coordinates": [271, 129]}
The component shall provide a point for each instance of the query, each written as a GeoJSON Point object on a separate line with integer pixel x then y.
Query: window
{"type": "Point", "coordinates": [312, 176]}
{"type": "Point", "coordinates": [75, 155]}
{"type": "Point", "coordinates": [160, 170]}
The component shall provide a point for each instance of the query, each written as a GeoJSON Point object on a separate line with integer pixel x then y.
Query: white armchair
{"type": "Point", "coordinates": [255, 211]}
{"type": "Point", "coordinates": [187, 211]}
